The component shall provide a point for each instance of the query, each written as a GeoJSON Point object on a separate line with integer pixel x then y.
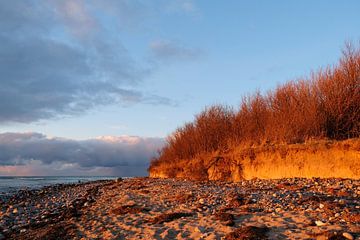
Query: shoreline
{"type": "Point", "coordinates": [146, 208]}
{"type": "Point", "coordinates": [10, 185]}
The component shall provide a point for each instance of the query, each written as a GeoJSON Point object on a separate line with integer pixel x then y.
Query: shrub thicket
{"type": "Point", "coordinates": [327, 105]}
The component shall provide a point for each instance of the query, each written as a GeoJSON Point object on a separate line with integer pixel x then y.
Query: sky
{"type": "Point", "coordinates": [94, 87]}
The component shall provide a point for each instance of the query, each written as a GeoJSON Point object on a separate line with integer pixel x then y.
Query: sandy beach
{"type": "Point", "coordinates": [145, 208]}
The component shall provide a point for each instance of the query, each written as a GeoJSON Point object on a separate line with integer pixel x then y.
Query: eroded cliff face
{"type": "Point", "coordinates": [325, 159]}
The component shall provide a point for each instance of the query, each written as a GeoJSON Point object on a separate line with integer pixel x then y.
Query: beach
{"type": "Point", "coordinates": [146, 208]}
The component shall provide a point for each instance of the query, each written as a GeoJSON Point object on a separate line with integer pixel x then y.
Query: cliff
{"type": "Point", "coordinates": [322, 159]}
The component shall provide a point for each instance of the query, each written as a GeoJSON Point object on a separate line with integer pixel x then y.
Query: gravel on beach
{"type": "Point", "coordinates": [145, 208]}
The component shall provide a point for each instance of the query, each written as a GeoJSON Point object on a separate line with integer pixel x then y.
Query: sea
{"type": "Point", "coordinates": [10, 185]}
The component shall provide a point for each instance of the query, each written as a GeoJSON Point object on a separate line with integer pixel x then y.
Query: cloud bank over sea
{"type": "Point", "coordinates": [32, 153]}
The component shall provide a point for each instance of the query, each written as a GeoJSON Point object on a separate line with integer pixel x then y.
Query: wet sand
{"type": "Point", "coordinates": [145, 208]}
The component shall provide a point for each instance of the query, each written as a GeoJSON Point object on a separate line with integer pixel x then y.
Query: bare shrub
{"type": "Point", "coordinates": [327, 105]}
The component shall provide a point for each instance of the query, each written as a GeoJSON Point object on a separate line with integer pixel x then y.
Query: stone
{"type": "Point", "coordinates": [321, 206]}
{"type": "Point", "coordinates": [201, 201]}
{"type": "Point", "coordinates": [319, 223]}
{"type": "Point", "coordinates": [200, 229]}
{"type": "Point", "coordinates": [347, 236]}
{"type": "Point", "coordinates": [15, 211]}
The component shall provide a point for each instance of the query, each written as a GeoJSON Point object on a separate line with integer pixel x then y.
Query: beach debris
{"type": "Point", "coordinates": [125, 209]}
{"type": "Point", "coordinates": [225, 218]}
{"type": "Point", "coordinates": [249, 233]}
{"type": "Point", "coordinates": [168, 217]}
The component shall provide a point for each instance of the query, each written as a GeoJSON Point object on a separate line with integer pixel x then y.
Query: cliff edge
{"type": "Point", "coordinates": [321, 159]}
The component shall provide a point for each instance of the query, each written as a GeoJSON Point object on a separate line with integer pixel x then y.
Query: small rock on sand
{"type": "Point", "coordinates": [319, 223]}
{"type": "Point", "coordinates": [347, 236]}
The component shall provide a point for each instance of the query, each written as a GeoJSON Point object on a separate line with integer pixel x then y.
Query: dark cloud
{"type": "Point", "coordinates": [115, 153]}
{"type": "Point", "coordinates": [164, 50]}
{"type": "Point", "coordinates": [57, 58]}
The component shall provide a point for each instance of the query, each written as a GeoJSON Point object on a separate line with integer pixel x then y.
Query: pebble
{"type": "Point", "coordinates": [28, 207]}
{"type": "Point", "coordinates": [278, 210]}
{"type": "Point", "coordinates": [321, 205]}
{"type": "Point", "coordinates": [118, 180]}
{"type": "Point", "coordinates": [200, 229]}
{"type": "Point", "coordinates": [347, 236]}
{"type": "Point", "coordinates": [202, 201]}
{"type": "Point", "coordinates": [319, 223]}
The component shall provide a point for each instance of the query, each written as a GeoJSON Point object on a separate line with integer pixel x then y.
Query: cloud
{"type": "Point", "coordinates": [37, 154]}
{"type": "Point", "coordinates": [60, 58]}
{"type": "Point", "coordinates": [164, 50]}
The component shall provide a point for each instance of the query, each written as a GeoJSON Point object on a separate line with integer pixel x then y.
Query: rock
{"type": "Point", "coordinates": [15, 211]}
{"type": "Point", "coordinates": [201, 201]}
{"type": "Point", "coordinates": [347, 236]}
{"type": "Point", "coordinates": [337, 215]}
{"type": "Point", "coordinates": [319, 223]}
{"type": "Point", "coordinates": [321, 206]}
{"type": "Point", "coordinates": [118, 180]}
{"type": "Point", "coordinates": [200, 229]}
{"type": "Point", "coordinates": [278, 210]}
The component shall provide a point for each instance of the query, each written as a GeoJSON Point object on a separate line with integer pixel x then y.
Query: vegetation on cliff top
{"type": "Point", "coordinates": [326, 105]}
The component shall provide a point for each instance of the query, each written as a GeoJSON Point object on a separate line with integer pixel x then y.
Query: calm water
{"type": "Point", "coordinates": [9, 185]}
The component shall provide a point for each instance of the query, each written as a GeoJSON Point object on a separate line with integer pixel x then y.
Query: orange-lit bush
{"type": "Point", "coordinates": [327, 105]}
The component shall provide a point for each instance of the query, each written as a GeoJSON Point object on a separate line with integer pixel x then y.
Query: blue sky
{"type": "Point", "coordinates": [82, 69]}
